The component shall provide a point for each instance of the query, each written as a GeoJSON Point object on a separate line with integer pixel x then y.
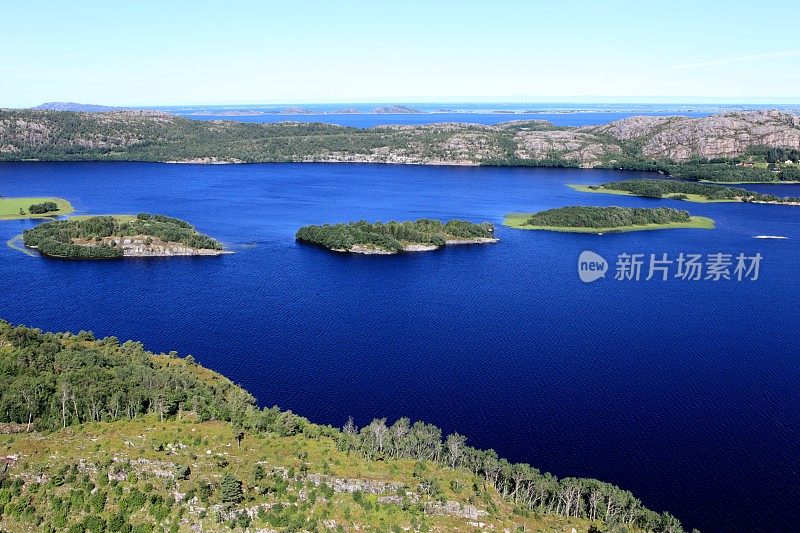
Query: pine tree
{"type": "Point", "coordinates": [231, 490]}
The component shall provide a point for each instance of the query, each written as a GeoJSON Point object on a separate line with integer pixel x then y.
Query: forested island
{"type": "Point", "coordinates": [684, 190]}
{"type": "Point", "coordinates": [590, 219]}
{"type": "Point", "coordinates": [363, 237]}
{"type": "Point", "coordinates": [19, 208]}
{"type": "Point", "coordinates": [115, 236]}
{"type": "Point", "coordinates": [757, 146]}
{"type": "Point", "coordinates": [98, 435]}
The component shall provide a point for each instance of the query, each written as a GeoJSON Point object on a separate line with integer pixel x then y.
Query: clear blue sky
{"type": "Point", "coordinates": [233, 51]}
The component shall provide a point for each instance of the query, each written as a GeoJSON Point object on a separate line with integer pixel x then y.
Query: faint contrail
{"type": "Point", "coordinates": [740, 59]}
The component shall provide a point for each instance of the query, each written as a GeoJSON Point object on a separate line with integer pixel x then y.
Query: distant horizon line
{"type": "Point", "coordinates": [706, 101]}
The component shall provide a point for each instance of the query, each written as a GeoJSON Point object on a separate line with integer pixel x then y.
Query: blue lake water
{"type": "Point", "coordinates": [686, 393]}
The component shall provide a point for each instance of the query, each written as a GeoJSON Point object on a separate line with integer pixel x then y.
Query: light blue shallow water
{"type": "Point", "coordinates": [683, 392]}
{"type": "Point", "coordinates": [371, 120]}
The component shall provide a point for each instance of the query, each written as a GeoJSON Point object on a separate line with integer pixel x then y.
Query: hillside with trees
{"type": "Point", "coordinates": [98, 435]}
{"type": "Point", "coordinates": [717, 148]}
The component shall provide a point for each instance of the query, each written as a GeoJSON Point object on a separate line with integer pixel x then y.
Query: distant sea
{"type": "Point", "coordinates": [364, 115]}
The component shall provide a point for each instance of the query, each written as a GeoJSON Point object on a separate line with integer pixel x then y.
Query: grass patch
{"type": "Point", "coordinates": [697, 198]}
{"type": "Point", "coordinates": [10, 208]}
{"type": "Point", "coordinates": [518, 221]}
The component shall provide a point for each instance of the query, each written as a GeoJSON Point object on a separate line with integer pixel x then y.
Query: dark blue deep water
{"type": "Point", "coordinates": [686, 393]}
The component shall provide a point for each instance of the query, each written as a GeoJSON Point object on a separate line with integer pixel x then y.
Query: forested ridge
{"type": "Point", "coordinates": [63, 382]}
{"type": "Point", "coordinates": [744, 146]}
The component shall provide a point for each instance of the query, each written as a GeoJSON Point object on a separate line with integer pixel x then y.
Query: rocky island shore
{"type": "Point", "coordinates": [367, 249]}
{"type": "Point", "coordinates": [111, 237]}
{"type": "Point", "coordinates": [146, 246]}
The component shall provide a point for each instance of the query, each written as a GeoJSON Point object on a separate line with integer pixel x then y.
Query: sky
{"type": "Point", "coordinates": [173, 52]}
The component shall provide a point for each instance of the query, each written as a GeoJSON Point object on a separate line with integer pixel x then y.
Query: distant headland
{"type": "Point", "coordinates": [688, 191]}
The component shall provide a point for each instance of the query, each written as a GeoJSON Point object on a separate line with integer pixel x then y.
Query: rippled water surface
{"type": "Point", "coordinates": [685, 393]}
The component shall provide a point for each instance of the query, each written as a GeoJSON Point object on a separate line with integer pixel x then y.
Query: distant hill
{"type": "Point", "coordinates": [73, 106]}
{"type": "Point", "coordinates": [635, 143]}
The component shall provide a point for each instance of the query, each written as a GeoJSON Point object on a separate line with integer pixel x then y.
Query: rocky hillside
{"type": "Point", "coordinates": [186, 475]}
{"type": "Point", "coordinates": [718, 136]}
{"type": "Point", "coordinates": [101, 436]}
{"type": "Point", "coordinates": [157, 136]}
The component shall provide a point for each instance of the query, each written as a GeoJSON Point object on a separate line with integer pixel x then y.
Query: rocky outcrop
{"type": "Point", "coordinates": [632, 127]}
{"type": "Point", "coordinates": [145, 246]}
{"type": "Point", "coordinates": [726, 135]}
{"type": "Point", "coordinates": [570, 145]}
{"type": "Point", "coordinates": [371, 250]}
{"type": "Point", "coordinates": [207, 161]}
{"type": "Point", "coordinates": [452, 508]}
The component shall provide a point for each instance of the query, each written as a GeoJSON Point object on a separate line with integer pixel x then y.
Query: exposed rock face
{"type": "Point", "coordinates": [370, 250]}
{"type": "Point", "coordinates": [207, 161]}
{"type": "Point", "coordinates": [633, 127]}
{"type": "Point", "coordinates": [144, 246]}
{"type": "Point", "coordinates": [455, 509]}
{"type": "Point", "coordinates": [585, 148]}
{"type": "Point", "coordinates": [367, 486]}
{"type": "Point", "coordinates": [726, 135]}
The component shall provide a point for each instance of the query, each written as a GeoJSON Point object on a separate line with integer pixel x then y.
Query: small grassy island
{"type": "Point", "coordinates": [393, 237]}
{"type": "Point", "coordinates": [583, 219]}
{"type": "Point", "coordinates": [683, 190]}
{"type": "Point", "coordinates": [109, 237]}
{"type": "Point", "coordinates": [19, 208]}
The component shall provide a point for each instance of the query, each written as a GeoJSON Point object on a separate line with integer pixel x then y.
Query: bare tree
{"type": "Point", "coordinates": [350, 428]}
{"type": "Point", "coordinates": [455, 448]}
